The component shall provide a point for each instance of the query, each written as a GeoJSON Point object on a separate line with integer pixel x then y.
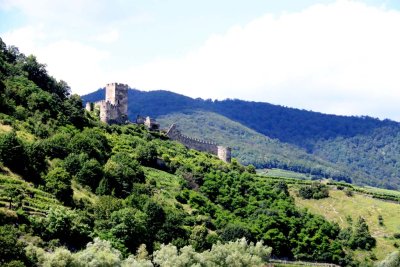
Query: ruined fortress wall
{"type": "Point", "coordinates": [108, 112]}
{"type": "Point", "coordinates": [224, 153]}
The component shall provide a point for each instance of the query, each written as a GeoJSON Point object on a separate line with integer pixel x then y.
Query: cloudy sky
{"type": "Point", "coordinates": [340, 57]}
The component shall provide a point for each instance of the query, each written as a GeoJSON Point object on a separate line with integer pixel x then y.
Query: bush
{"type": "Point", "coordinates": [315, 191]}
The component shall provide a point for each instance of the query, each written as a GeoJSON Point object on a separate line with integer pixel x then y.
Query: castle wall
{"type": "Point", "coordinates": [224, 153]}
{"type": "Point", "coordinates": [109, 113]}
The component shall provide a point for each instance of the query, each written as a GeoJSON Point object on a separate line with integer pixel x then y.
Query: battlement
{"type": "Point", "coordinates": [114, 109]}
{"type": "Point", "coordinates": [117, 85]}
{"type": "Point", "coordinates": [224, 153]}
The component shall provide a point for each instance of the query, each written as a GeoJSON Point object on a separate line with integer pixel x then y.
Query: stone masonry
{"type": "Point", "coordinates": [114, 109]}
{"type": "Point", "coordinates": [223, 153]}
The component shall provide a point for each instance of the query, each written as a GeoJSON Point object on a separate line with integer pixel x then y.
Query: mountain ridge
{"type": "Point", "coordinates": [316, 133]}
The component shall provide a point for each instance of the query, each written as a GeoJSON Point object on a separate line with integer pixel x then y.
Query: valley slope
{"type": "Point", "coordinates": [360, 149]}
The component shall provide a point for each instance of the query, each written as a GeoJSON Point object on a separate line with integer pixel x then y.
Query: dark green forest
{"type": "Point", "coordinates": [358, 149]}
{"type": "Point", "coordinates": [77, 192]}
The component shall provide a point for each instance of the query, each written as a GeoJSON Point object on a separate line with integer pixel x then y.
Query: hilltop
{"type": "Point", "coordinates": [363, 150]}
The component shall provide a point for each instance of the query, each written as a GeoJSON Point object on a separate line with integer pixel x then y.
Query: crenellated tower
{"type": "Point", "coordinates": [114, 109]}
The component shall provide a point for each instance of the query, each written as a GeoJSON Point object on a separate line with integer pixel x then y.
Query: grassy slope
{"type": "Point", "coordinates": [274, 172]}
{"type": "Point", "coordinates": [248, 145]}
{"type": "Point", "coordinates": [338, 206]}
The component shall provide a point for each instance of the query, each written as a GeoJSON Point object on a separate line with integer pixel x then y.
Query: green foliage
{"type": "Point", "coordinates": [134, 199]}
{"type": "Point", "coordinates": [12, 152]}
{"type": "Point", "coordinates": [121, 171]}
{"type": "Point", "coordinates": [92, 142]}
{"type": "Point", "coordinates": [358, 236]}
{"type": "Point", "coordinates": [147, 154]}
{"type": "Point", "coordinates": [238, 253]}
{"type": "Point", "coordinates": [198, 238]}
{"type": "Point", "coordinates": [90, 173]}
{"type": "Point", "coordinates": [10, 247]}
{"type": "Point", "coordinates": [128, 229]}
{"type": "Point", "coordinates": [359, 149]}
{"type": "Point", "coordinates": [69, 226]}
{"type": "Point", "coordinates": [58, 182]}
{"type": "Point", "coordinates": [233, 232]}
{"type": "Point", "coordinates": [392, 260]}
{"type": "Point", "coordinates": [315, 191]}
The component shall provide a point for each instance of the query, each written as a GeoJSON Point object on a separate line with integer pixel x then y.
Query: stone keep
{"type": "Point", "coordinates": [114, 109]}
{"type": "Point", "coordinates": [117, 94]}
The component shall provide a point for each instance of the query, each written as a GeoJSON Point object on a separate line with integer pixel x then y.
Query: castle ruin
{"type": "Point", "coordinates": [223, 153]}
{"type": "Point", "coordinates": [114, 109]}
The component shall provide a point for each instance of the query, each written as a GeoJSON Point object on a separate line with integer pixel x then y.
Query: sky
{"type": "Point", "coordinates": [333, 56]}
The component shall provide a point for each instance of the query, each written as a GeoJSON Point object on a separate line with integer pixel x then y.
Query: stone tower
{"type": "Point", "coordinates": [114, 109]}
{"type": "Point", "coordinates": [117, 94]}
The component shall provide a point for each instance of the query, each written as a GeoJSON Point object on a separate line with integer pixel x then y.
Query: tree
{"type": "Point", "coordinates": [90, 174]}
{"type": "Point", "coordinates": [155, 216]}
{"type": "Point", "coordinates": [198, 238]}
{"type": "Point", "coordinates": [361, 237]}
{"type": "Point", "coordinates": [237, 253]}
{"type": "Point", "coordinates": [73, 163]}
{"type": "Point", "coordinates": [58, 182]}
{"type": "Point", "coordinates": [146, 154]}
{"type": "Point", "coordinates": [315, 191]}
{"type": "Point", "coordinates": [121, 170]}
{"type": "Point", "coordinates": [12, 152]}
{"type": "Point", "coordinates": [128, 229]}
{"type": "Point", "coordinates": [92, 142]}
{"type": "Point", "coordinates": [10, 247]}
{"type": "Point", "coordinates": [69, 226]}
{"type": "Point", "coordinates": [233, 232]}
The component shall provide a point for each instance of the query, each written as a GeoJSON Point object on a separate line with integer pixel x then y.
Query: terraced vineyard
{"type": "Point", "coordinates": [16, 193]}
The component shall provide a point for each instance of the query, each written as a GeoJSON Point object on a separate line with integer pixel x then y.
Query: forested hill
{"type": "Point", "coordinates": [299, 127]}
{"type": "Point", "coordinates": [77, 192]}
{"type": "Point", "coordinates": [361, 149]}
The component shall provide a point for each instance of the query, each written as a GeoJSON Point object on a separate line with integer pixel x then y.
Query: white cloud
{"type": "Point", "coordinates": [74, 62]}
{"type": "Point", "coordinates": [342, 57]}
{"type": "Point", "coordinates": [109, 36]}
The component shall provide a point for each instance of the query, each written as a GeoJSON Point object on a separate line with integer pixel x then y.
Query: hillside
{"type": "Point", "coordinates": [78, 192]}
{"type": "Point", "coordinates": [339, 207]}
{"type": "Point", "coordinates": [361, 149]}
{"type": "Point", "coordinates": [250, 147]}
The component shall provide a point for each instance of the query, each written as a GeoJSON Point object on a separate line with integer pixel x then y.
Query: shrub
{"type": "Point", "coordinates": [315, 191]}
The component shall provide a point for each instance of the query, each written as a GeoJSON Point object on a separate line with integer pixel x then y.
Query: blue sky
{"type": "Point", "coordinates": [337, 57]}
